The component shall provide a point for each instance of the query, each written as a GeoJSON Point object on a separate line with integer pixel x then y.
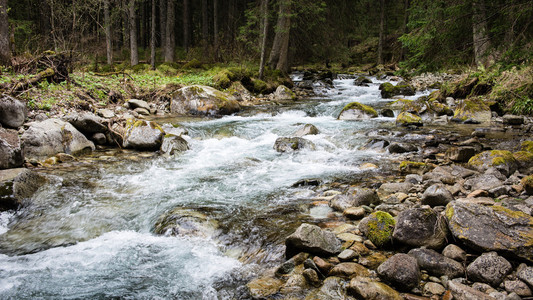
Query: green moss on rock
{"type": "Point", "coordinates": [378, 228]}
{"type": "Point", "coordinates": [472, 109]}
{"type": "Point", "coordinates": [527, 146]}
{"type": "Point", "coordinates": [527, 183]}
{"type": "Point", "coordinates": [407, 118]}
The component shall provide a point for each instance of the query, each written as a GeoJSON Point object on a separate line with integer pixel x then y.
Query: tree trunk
{"type": "Point", "coordinates": [215, 28]}
{"type": "Point", "coordinates": [162, 22]}
{"type": "Point", "coordinates": [205, 28]}
{"type": "Point", "coordinates": [405, 29]}
{"type": "Point", "coordinates": [381, 31]}
{"type": "Point", "coordinates": [134, 53]}
{"type": "Point", "coordinates": [279, 56]}
{"type": "Point", "coordinates": [152, 37]}
{"type": "Point", "coordinates": [170, 40]}
{"type": "Point", "coordinates": [5, 50]}
{"type": "Point", "coordinates": [108, 33]}
{"type": "Point", "coordinates": [264, 4]}
{"type": "Point", "coordinates": [186, 26]}
{"type": "Point", "coordinates": [480, 33]}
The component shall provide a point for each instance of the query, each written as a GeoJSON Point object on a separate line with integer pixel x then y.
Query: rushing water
{"type": "Point", "coordinates": [89, 233]}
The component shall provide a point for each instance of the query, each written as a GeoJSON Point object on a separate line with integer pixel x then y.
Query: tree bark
{"type": "Point", "coordinates": [134, 53]}
{"type": "Point", "coordinates": [152, 37]}
{"type": "Point", "coordinates": [215, 28]}
{"type": "Point", "coordinates": [279, 56]}
{"type": "Point", "coordinates": [205, 28]}
{"type": "Point", "coordinates": [186, 26]}
{"type": "Point", "coordinates": [480, 33]}
{"type": "Point", "coordinates": [162, 22]}
{"type": "Point", "coordinates": [170, 40]}
{"type": "Point", "coordinates": [381, 31]}
{"type": "Point", "coordinates": [5, 50]}
{"type": "Point", "coordinates": [108, 33]}
{"type": "Point", "coordinates": [264, 4]}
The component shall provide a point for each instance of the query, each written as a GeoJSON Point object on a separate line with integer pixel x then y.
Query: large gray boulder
{"type": "Point", "coordinates": [52, 136]}
{"type": "Point", "coordinates": [307, 129]}
{"type": "Point", "coordinates": [173, 144]}
{"type": "Point", "coordinates": [10, 149]}
{"type": "Point", "coordinates": [143, 135]}
{"type": "Point", "coordinates": [401, 271]}
{"type": "Point", "coordinates": [289, 144]}
{"type": "Point", "coordinates": [436, 263]}
{"type": "Point", "coordinates": [203, 100]}
{"type": "Point", "coordinates": [312, 239]}
{"type": "Point", "coordinates": [489, 268]}
{"type": "Point", "coordinates": [87, 123]}
{"type": "Point", "coordinates": [419, 227]}
{"type": "Point", "coordinates": [492, 228]}
{"type": "Point", "coordinates": [12, 112]}
{"type": "Point", "coordinates": [357, 111]}
{"type": "Point", "coordinates": [436, 195]}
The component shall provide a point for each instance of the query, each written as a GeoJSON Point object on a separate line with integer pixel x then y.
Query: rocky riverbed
{"type": "Point", "coordinates": [438, 206]}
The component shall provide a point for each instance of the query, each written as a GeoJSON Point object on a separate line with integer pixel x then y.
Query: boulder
{"type": "Point", "coordinates": [421, 227]}
{"type": "Point", "coordinates": [464, 292]}
{"type": "Point", "coordinates": [185, 222]}
{"type": "Point", "coordinates": [402, 148]}
{"type": "Point", "coordinates": [203, 100]}
{"type": "Point", "coordinates": [240, 92]}
{"type": "Point", "coordinates": [401, 271]}
{"type": "Point", "coordinates": [12, 112]}
{"type": "Point", "coordinates": [389, 188]}
{"type": "Point", "coordinates": [52, 136]}
{"type": "Point", "coordinates": [262, 288]}
{"type": "Point", "coordinates": [525, 161]}
{"type": "Point", "coordinates": [525, 273]}
{"type": "Point", "coordinates": [460, 154]}
{"type": "Point", "coordinates": [357, 111]}
{"type": "Point", "coordinates": [10, 150]}
{"type": "Point", "coordinates": [307, 129]}
{"type": "Point", "coordinates": [436, 263]}
{"type": "Point", "coordinates": [407, 119]}
{"type": "Point", "coordinates": [26, 184]}
{"type": "Point", "coordinates": [283, 93]}
{"type": "Point", "coordinates": [518, 287]}
{"type": "Point", "coordinates": [143, 135]}
{"type": "Point", "coordinates": [135, 103]}
{"type": "Point", "coordinates": [312, 239]}
{"type": "Point", "coordinates": [472, 111]}
{"type": "Point", "coordinates": [513, 120]}
{"type": "Point", "coordinates": [501, 160]}
{"type": "Point", "coordinates": [87, 123]}
{"type": "Point", "coordinates": [349, 270]}
{"type": "Point", "coordinates": [436, 195]}
{"type": "Point", "coordinates": [333, 288]}
{"type": "Point", "coordinates": [289, 144]}
{"type": "Point", "coordinates": [378, 228]}
{"type": "Point", "coordinates": [366, 288]}
{"type": "Point", "coordinates": [388, 90]}
{"type": "Point", "coordinates": [357, 197]}
{"type": "Point", "coordinates": [484, 182]}
{"type": "Point", "coordinates": [362, 81]}
{"type": "Point", "coordinates": [489, 268]}
{"type": "Point", "coordinates": [492, 228]}
{"type": "Point", "coordinates": [173, 144]}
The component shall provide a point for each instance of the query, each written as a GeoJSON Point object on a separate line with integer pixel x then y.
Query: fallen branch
{"type": "Point", "coordinates": [25, 84]}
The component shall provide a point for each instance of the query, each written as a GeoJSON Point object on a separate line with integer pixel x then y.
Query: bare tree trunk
{"type": "Point", "coordinates": [170, 44]}
{"type": "Point", "coordinates": [405, 29]}
{"type": "Point", "coordinates": [152, 37]}
{"type": "Point", "coordinates": [381, 32]}
{"type": "Point", "coordinates": [5, 50]}
{"type": "Point", "coordinates": [280, 47]}
{"type": "Point", "coordinates": [480, 33]}
{"type": "Point", "coordinates": [205, 28]}
{"type": "Point", "coordinates": [108, 33]}
{"type": "Point", "coordinates": [186, 26]}
{"type": "Point", "coordinates": [134, 52]}
{"type": "Point", "coordinates": [264, 9]}
{"type": "Point", "coordinates": [215, 28]}
{"type": "Point", "coordinates": [162, 22]}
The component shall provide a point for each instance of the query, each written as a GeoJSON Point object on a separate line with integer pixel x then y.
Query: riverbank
{"type": "Point", "coordinates": [421, 168]}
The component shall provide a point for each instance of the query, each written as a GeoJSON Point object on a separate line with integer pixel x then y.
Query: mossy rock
{"type": "Point", "coordinates": [502, 160]}
{"type": "Point", "coordinates": [357, 111]}
{"type": "Point", "coordinates": [259, 86]}
{"type": "Point", "coordinates": [525, 161]}
{"type": "Point", "coordinates": [472, 111]}
{"type": "Point", "coordinates": [413, 167]}
{"type": "Point", "coordinates": [193, 64]}
{"type": "Point", "coordinates": [407, 119]}
{"type": "Point", "coordinates": [222, 79]}
{"type": "Point", "coordinates": [185, 222]}
{"type": "Point", "coordinates": [527, 146]}
{"type": "Point", "coordinates": [378, 228]}
{"type": "Point", "coordinates": [527, 183]}
{"type": "Point", "coordinates": [143, 135]}
{"type": "Point", "coordinates": [203, 100]}
{"type": "Point", "coordinates": [388, 90]}
{"type": "Point", "coordinates": [439, 109]}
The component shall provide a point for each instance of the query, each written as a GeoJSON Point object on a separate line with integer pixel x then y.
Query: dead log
{"type": "Point", "coordinates": [25, 84]}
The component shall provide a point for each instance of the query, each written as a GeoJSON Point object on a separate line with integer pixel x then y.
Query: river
{"type": "Point", "coordinates": [88, 234]}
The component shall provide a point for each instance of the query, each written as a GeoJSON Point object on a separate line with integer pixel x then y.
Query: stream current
{"type": "Point", "coordinates": [88, 234]}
